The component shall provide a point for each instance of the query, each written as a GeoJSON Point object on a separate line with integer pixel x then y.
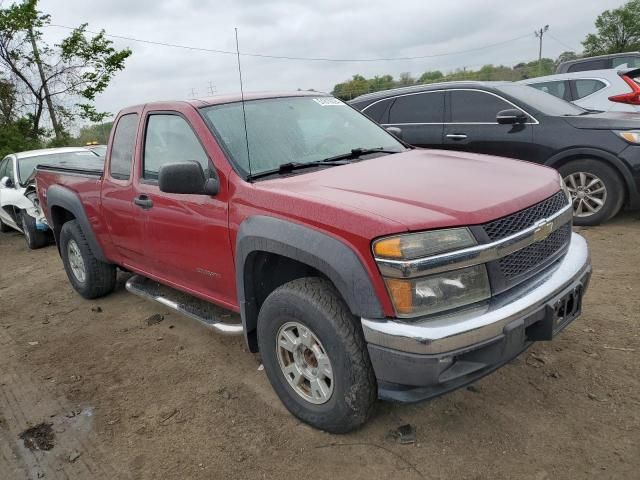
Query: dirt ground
{"type": "Point", "coordinates": [122, 399]}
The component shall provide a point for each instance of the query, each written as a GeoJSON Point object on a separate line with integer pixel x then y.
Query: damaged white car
{"type": "Point", "coordinates": [19, 206]}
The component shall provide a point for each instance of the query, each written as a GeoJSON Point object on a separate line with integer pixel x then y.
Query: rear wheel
{"type": "Point", "coordinates": [34, 237]}
{"type": "Point", "coordinates": [315, 356]}
{"type": "Point", "coordinates": [596, 191]}
{"type": "Point", "coordinates": [90, 277]}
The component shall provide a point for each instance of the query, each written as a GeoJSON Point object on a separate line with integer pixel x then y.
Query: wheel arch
{"type": "Point", "coordinates": [64, 205]}
{"type": "Point", "coordinates": [271, 252]}
{"type": "Point", "coordinates": [630, 190]}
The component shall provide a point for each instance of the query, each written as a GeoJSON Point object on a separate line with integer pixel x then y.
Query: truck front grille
{"type": "Point", "coordinates": [535, 255]}
{"type": "Point", "coordinates": [511, 224]}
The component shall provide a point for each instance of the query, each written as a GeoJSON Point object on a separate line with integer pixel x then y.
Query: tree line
{"type": "Point", "coordinates": [45, 89]}
{"type": "Point", "coordinates": [617, 31]}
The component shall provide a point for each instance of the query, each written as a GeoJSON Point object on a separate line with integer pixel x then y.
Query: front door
{"type": "Point", "coordinates": [9, 194]}
{"type": "Point", "coordinates": [186, 235]}
{"type": "Point", "coordinates": [472, 127]}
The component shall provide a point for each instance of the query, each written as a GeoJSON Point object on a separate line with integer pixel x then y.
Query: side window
{"type": "Point", "coordinates": [124, 142]}
{"type": "Point", "coordinates": [169, 139]}
{"type": "Point", "coordinates": [629, 62]}
{"type": "Point", "coordinates": [3, 167]}
{"type": "Point", "coordinates": [586, 87]}
{"type": "Point", "coordinates": [557, 89]}
{"type": "Point", "coordinates": [469, 106]}
{"type": "Point", "coordinates": [378, 111]}
{"type": "Point", "coordinates": [8, 172]}
{"type": "Point", "coordinates": [418, 108]}
{"type": "Point", "coordinates": [599, 64]}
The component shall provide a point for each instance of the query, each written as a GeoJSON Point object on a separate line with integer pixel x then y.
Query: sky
{"type": "Point", "coordinates": [358, 29]}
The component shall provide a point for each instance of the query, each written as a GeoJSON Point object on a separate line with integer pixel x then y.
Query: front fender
{"type": "Point", "coordinates": [338, 262]}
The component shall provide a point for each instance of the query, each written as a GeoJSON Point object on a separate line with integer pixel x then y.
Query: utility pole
{"type": "Point", "coordinates": [45, 87]}
{"type": "Point", "coordinates": [212, 89]}
{"type": "Point", "coordinates": [539, 34]}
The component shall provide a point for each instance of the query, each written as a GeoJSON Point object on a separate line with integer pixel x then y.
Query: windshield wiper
{"type": "Point", "coordinates": [358, 152]}
{"type": "Point", "coordinates": [331, 161]}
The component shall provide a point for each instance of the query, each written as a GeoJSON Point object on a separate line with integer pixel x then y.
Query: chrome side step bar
{"type": "Point", "coordinates": [204, 312]}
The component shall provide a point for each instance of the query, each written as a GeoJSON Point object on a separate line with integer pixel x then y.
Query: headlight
{"type": "Point", "coordinates": [436, 293]}
{"type": "Point", "coordinates": [564, 188]}
{"type": "Point", "coordinates": [416, 245]}
{"type": "Point", "coordinates": [632, 136]}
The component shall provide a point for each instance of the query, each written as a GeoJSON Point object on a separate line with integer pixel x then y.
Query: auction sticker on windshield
{"type": "Point", "coordinates": [327, 101]}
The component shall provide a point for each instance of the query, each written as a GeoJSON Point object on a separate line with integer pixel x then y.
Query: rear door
{"type": "Point", "coordinates": [187, 236]}
{"type": "Point", "coordinates": [420, 116]}
{"type": "Point", "coordinates": [123, 218]}
{"type": "Point", "coordinates": [471, 126]}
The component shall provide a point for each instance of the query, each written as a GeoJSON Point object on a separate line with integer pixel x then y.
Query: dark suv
{"type": "Point", "coordinates": [601, 62]}
{"type": "Point", "coordinates": [598, 154]}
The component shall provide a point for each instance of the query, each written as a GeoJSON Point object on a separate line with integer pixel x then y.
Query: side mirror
{"type": "Point", "coordinates": [395, 131]}
{"type": "Point", "coordinates": [6, 182]}
{"type": "Point", "coordinates": [186, 178]}
{"type": "Point", "coordinates": [511, 116]}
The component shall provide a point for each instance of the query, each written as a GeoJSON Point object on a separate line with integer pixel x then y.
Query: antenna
{"type": "Point", "coordinates": [244, 113]}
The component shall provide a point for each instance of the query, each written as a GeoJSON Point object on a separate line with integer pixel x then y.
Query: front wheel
{"type": "Point", "coordinates": [315, 356]}
{"type": "Point", "coordinates": [90, 277]}
{"type": "Point", "coordinates": [596, 191]}
{"type": "Point", "coordinates": [34, 237]}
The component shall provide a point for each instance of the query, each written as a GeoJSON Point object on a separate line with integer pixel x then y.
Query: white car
{"type": "Point", "coordinates": [19, 208]}
{"type": "Point", "coordinates": [605, 90]}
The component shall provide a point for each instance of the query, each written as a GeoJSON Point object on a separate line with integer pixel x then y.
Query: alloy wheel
{"type": "Point", "coordinates": [304, 362]}
{"type": "Point", "coordinates": [588, 193]}
{"type": "Point", "coordinates": [76, 261]}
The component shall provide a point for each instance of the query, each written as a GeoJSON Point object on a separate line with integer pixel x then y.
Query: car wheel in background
{"type": "Point", "coordinates": [596, 191]}
{"type": "Point", "coordinates": [34, 237]}
{"type": "Point", "coordinates": [4, 228]}
{"type": "Point", "coordinates": [90, 277]}
{"type": "Point", "coordinates": [315, 356]}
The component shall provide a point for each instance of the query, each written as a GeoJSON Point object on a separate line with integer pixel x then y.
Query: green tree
{"type": "Point", "coordinates": [618, 31]}
{"type": "Point", "coordinates": [430, 77]}
{"type": "Point", "coordinates": [62, 80]}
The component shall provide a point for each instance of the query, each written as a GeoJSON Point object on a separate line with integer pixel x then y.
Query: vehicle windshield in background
{"type": "Point", "coordinates": [294, 130]}
{"type": "Point", "coordinates": [100, 150]}
{"type": "Point", "coordinates": [82, 159]}
{"type": "Point", "coordinates": [544, 102]}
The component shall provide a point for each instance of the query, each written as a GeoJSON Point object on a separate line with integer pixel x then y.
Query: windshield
{"type": "Point", "coordinates": [81, 159]}
{"type": "Point", "coordinates": [293, 130]}
{"type": "Point", "coordinates": [541, 101]}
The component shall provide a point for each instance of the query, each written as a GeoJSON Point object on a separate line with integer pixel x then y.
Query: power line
{"type": "Point", "coordinates": [284, 57]}
{"type": "Point", "coordinates": [566, 45]}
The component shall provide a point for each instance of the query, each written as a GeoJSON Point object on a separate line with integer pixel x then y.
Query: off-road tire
{"type": "Point", "coordinates": [315, 303]}
{"type": "Point", "coordinates": [35, 238]}
{"type": "Point", "coordinates": [100, 277]}
{"type": "Point", "coordinates": [612, 182]}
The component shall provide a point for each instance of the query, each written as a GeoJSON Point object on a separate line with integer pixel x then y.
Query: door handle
{"type": "Point", "coordinates": [143, 202]}
{"type": "Point", "coordinates": [457, 136]}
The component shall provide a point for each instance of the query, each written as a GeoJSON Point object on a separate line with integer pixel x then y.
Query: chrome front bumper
{"type": "Point", "coordinates": [455, 331]}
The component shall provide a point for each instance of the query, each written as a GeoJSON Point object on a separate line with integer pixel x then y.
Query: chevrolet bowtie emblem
{"type": "Point", "coordinates": [543, 231]}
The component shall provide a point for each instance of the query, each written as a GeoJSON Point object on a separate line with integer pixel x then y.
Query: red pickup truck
{"type": "Point", "coordinates": [361, 268]}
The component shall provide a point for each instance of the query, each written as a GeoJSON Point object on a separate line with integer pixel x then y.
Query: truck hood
{"type": "Point", "coordinates": [424, 189]}
{"type": "Point", "coordinates": [606, 121]}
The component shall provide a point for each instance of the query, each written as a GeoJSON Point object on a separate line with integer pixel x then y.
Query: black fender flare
{"type": "Point", "coordinates": [331, 257]}
{"type": "Point", "coordinates": [59, 196]}
{"type": "Point", "coordinates": [614, 162]}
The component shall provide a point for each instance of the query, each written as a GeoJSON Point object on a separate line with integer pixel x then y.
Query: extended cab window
{"type": "Point", "coordinates": [474, 106]}
{"type": "Point", "coordinates": [418, 108]}
{"type": "Point", "coordinates": [124, 142]}
{"type": "Point", "coordinates": [169, 139]}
